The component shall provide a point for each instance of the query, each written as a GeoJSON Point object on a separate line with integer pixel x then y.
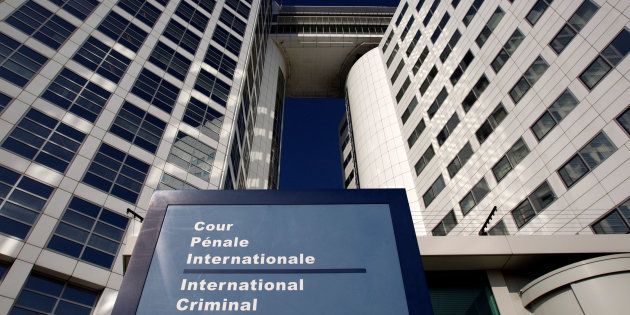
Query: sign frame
{"type": "Point", "coordinates": [412, 271]}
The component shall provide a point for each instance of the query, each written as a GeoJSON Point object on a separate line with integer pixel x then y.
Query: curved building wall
{"type": "Point", "coordinates": [381, 157]}
{"type": "Point", "coordinates": [260, 158]}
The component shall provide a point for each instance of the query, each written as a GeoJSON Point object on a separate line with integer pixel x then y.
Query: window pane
{"type": "Point", "coordinates": [597, 151]}
{"type": "Point", "coordinates": [542, 197]}
{"type": "Point", "coordinates": [563, 105]}
{"type": "Point", "coordinates": [523, 213]}
{"type": "Point", "coordinates": [573, 170]}
{"type": "Point", "coordinates": [611, 224]}
{"type": "Point", "coordinates": [543, 126]}
{"type": "Point", "coordinates": [595, 72]}
{"type": "Point", "coordinates": [467, 203]}
{"type": "Point", "coordinates": [582, 15]}
{"type": "Point", "coordinates": [449, 221]}
{"type": "Point", "coordinates": [618, 48]}
{"type": "Point", "coordinates": [562, 39]}
{"type": "Point", "coordinates": [624, 120]}
{"type": "Point", "coordinates": [501, 169]}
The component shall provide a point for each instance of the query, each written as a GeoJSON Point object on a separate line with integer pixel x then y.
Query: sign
{"type": "Point", "coordinates": [276, 253]}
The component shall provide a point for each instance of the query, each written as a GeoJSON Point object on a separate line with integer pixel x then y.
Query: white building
{"type": "Point", "coordinates": [103, 102]}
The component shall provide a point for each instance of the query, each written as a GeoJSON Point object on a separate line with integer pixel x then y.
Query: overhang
{"type": "Point", "coordinates": [320, 44]}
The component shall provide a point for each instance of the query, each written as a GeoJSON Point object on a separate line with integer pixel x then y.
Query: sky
{"type": "Point", "coordinates": [310, 157]}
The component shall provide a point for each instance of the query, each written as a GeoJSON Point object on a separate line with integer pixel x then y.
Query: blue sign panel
{"type": "Point", "coordinates": [276, 253]}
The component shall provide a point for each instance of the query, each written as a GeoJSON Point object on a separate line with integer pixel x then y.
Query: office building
{"type": "Point", "coordinates": [467, 105]}
{"type": "Point", "coordinates": [503, 118]}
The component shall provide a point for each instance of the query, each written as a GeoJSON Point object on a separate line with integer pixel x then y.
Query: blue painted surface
{"type": "Point", "coordinates": [341, 238]}
{"type": "Point", "coordinates": [353, 226]}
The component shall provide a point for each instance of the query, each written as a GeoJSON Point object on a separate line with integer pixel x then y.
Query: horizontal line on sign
{"type": "Point", "coordinates": [275, 271]}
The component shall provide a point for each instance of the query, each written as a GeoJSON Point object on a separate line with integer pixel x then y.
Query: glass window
{"type": "Point", "coordinates": [401, 14]}
{"type": "Point", "coordinates": [460, 159]}
{"type": "Point", "coordinates": [21, 201]}
{"type": "Point", "coordinates": [415, 134]}
{"type": "Point", "coordinates": [44, 140]}
{"type": "Point", "coordinates": [446, 225]}
{"type": "Point", "coordinates": [4, 101]}
{"type": "Point", "coordinates": [475, 93]}
{"type": "Point", "coordinates": [44, 295]}
{"type": "Point", "coordinates": [76, 94]}
{"type": "Point", "coordinates": [610, 57]}
{"type": "Point", "coordinates": [440, 26]}
{"type": "Point", "coordinates": [426, 157]}
{"type": "Point", "coordinates": [542, 197]}
{"type": "Point", "coordinates": [79, 8]}
{"type": "Point", "coordinates": [138, 127]}
{"type": "Point", "coordinates": [220, 61]}
{"type": "Point", "coordinates": [388, 41]}
{"type": "Point", "coordinates": [587, 159]}
{"type": "Point", "coordinates": [227, 40]}
{"type": "Point", "coordinates": [213, 87]}
{"type": "Point", "coordinates": [89, 232]}
{"type": "Point", "coordinates": [192, 16]}
{"type": "Point", "coordinates": [535, 203]}
{"type": "Point", "coordinates": [102, 59]}
{"type": "Point", "coordinates": [18, 63]}
{"type": "Point", "coordinates": [559, 109]}
{"type": "Point", "coordinates": [123, 31]}
{"type": "Point", "coordinates": [392, 55]}
{"type": "Point", "coordinates": [437, 103]}
{"type": "Point", "coordinates": [430, 12]}
{"type": "Point", "coordinates": [33, 19]}
{"type": "Point", "coordinates": [475, 196]}
{"type": "Point", "coordinates": [616, 221]}
{"type": "Point", "coordinates": [489, 27]}
{"type": "Point", "coordinates": [624, 120]}
{"type": "Point", "coordinates": [240, 7]}
{"type": "Point", "coordinates": [472, 11]}
{"type": "Point", "coordinates": [155, 90]}
{"type": "Point", "coordinates": [141, 10]}
{"type": "Point", "coordinates": [406, 29]}
{"type": "Point", "coordinates": [575, 24]}
{"type": "Point", "coordinates": [182, 36]}
{"type": "Point", "coordinates": [170, 182]}
{"type": "Point", "coordinates": [170, 60]}
{"type": "Point", "coordinates": [433, 191]}
{"type": "Point", "coordinates": [462, 67]}
{"type": "Point", "coordinates": [597, 150]}
{"type": "Point", "coordinates": [523, 213]}
{"type": "Point", "coordinates": [409, 110]}
{"type": "Point", "coordinates": [116, 173]}
{"type": "Point", "coordinates": [514, 155]}
{"type": "Point", "coordinates": [448, 129]}
{"type": "Point", "coordinates": [208, 5]}
{"type": "Point", "coordinates": [201, 116]}
{"type": "Point", "coordinates": [450, 45]}
{"type": "Point", "coordinates": [233, 22]}
{"type": "Point", "coordinates": [420, 60]}
{"type": "Point", "coordinates": [192, 155]}
{"type": "Point", "coordinates": [529, 78]}
{"type": "Point", "coordinates": [399, 68]}
{"type": "Point", "coordinates": [403, 89]}
{"type": "Point", "coordinates": [413, 43]}
{"type": "Point", "coordinates": [508, 49]}
{"type": "Point", "coordinates": [537, 11]}
{"type": "Point", "coordinates": [427, 81]}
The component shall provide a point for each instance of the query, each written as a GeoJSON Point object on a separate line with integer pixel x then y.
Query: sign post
{"type": "Point", "coordinates": [276, 253]}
